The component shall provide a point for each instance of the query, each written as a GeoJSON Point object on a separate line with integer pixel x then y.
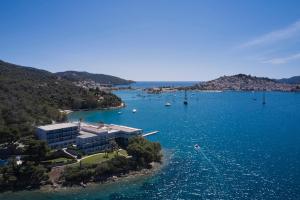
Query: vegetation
{"type": "Point", "coordinates": [292, 80]}
{"type": "Point", "coordinates": [31, 97]}
{"type": "Point", "coordinates": [32, 172]}
{"type": "Point", "coordinates": [144, 152]}
{"type": "Point", "coordinates": [27, 175]}
{"type": "Point", "coordinates": [98, 78]}
{"type": "Point", "coordinates": [141, 151]}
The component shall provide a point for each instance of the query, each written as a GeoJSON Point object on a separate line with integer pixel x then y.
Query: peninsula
{"type": "Point", "coordinates": [36, 140]}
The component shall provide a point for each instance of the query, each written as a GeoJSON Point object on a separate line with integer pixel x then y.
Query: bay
{"type": "Point", "coordinates": [247, 150]}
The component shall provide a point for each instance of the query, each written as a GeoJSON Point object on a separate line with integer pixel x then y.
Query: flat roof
{"type": "Point", "coordinates": [94, 129]}
{"type": "Point", "coordinates": [57, 126]}
{"type": "Point", "coordinates": [84, 134]}
{"type": "Point", "coordinates": [123, 128]}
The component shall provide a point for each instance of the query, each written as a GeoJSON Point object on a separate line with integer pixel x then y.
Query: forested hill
{"type": "Point", "coordinates": [76, 76]}
{"type": "Point", "coordinates": [32, 97]}
{"type": "Point", "coordinates": [292, 80]}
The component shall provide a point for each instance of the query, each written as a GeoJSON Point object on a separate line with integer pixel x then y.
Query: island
{"type": "Point", "coordinates": [238, 82]}
{"type": "Point", "coordinates": [246, 83]}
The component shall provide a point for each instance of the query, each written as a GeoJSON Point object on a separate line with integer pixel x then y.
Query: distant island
{"type": "Point", "coordinates": [246, 83]}
{"type": "Point", "coordinates": [239, 82]}
{"type": "Point", "coordinates": [292, 80]}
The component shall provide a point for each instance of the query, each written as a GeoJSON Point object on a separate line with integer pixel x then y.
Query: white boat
{"type": "Point", "coordinates": [134, 110]}
{"type": "Point", "coordinates": [196, 147]}
{"type": "Point", "coordinates": [119, 112]}
{"type": "Point", "coordinates": [168, 104]}
{"type": "Point", "coordinates": [83, 184]}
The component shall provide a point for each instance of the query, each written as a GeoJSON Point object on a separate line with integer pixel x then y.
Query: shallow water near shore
{"type": "Point", "coordinates": [247, 150]}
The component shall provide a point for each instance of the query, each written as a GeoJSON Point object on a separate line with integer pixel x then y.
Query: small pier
{"type": "Point", "coordinates": [150, 133]}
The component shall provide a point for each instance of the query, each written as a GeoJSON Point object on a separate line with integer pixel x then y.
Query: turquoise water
{"type": "Point", "coordinates": [248, 151]}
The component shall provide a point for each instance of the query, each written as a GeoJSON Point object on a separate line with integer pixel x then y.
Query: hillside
{"type": "Point", "coordinates": [245, 82]}
{"type": "Point", "coordinates": [75, 76]}
{"type": "Point", "coordinates": [32, 97]}
{"type": "Point", "coordinates": [292, 80]}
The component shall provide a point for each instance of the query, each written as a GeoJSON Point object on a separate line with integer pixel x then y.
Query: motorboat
{"type": "Point", "coordinates": [196, 147]}
{"type": "Point", "coordinates": [168, 104]}
{"type": "Point", "coordinates": [134, 110]}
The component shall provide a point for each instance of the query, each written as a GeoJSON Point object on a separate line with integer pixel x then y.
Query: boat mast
{"type": "Point", "coordinates": [264, 98]}
{"type": "Point", "coordinates": [185, 102]}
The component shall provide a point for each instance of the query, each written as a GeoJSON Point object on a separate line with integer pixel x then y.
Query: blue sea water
{"type": "Point", "coordinates": [151, 84]}
{"type": "Point", "coordinates": [247, 150]}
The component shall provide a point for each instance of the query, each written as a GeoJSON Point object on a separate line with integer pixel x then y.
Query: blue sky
{"type": "Point", "coordinates": [154, 40]}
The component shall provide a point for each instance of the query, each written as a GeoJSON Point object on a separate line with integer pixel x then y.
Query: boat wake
{"type": "Point", "coordinates": [207, 159]}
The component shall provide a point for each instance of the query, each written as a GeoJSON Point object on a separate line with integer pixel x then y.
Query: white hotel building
{"type": "Point", "coordinates": [89, 138]}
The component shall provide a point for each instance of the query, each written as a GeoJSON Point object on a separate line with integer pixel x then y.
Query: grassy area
{"type": "Point", "coordinates": [100, 157]}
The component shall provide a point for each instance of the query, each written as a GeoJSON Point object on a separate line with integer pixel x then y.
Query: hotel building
{"type": "Point", "coordinates": [89, 138]}
{"type": "Point", "coordinates": [58, 135]}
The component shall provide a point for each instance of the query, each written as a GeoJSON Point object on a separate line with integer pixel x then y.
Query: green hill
{"type": "Point", "coordinates": [292, 80]}
{"type": "Point", "coordinates": [98, 78]}
{"type": "Point", "coordinates": [32, 97]}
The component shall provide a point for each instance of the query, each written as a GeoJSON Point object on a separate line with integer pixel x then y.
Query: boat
{"type": "Point", "coordinates": [82, 184]}
{"type": "Point", "coordinates": [168, 104]}
{"type": "Point", "coordinates": [185, 102]}
{"type": "Point", "coordinates": [134, 110]}
{"type": "Point", "coordinates": [264, 98]}
{"type": "Point", "coordinates": [119, 112]}
{"type": "Point", "coordinates": [196, 147]}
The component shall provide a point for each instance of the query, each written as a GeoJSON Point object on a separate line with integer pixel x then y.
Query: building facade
{"type": "Point", "coordinates": [58, 135]}
{"type": "Point", "coordinates": [88, 138]}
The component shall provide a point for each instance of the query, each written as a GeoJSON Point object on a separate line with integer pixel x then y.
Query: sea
{"type": "Point", "coordinates": [152, 84]}
{"type": "Point", "coordinates": [247, 150]}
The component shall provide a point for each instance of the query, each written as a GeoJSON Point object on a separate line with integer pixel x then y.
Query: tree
{"type": "Point", "coordinates": [143, 151]}
{"type": "Point", "coordinates": [36, 150]}
{"type": "Point", "coordinates": [114, 146]}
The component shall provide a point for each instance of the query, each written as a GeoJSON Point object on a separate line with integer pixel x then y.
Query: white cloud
{"type": "Point", "coordinates": [275, 36]}
{"type": "Point", "coordinates": [282, 60]}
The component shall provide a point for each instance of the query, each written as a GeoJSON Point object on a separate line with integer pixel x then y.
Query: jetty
{"type": "Point", "coordinates": [150, 133]}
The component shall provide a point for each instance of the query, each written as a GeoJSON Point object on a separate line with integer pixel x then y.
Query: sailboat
{"type": "Point", "coordinates": [264, 98]}
{"type": "Point", "coordinates": [185, 102]}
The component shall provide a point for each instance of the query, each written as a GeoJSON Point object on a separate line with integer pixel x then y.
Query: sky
{"type": "Point", "coordinates": [150, 40]}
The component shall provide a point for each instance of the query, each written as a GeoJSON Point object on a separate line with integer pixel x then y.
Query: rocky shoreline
{"type": "Point", "coordinates": [131, 176]}
{"type": "Point", "coordinates": [67, 112]}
